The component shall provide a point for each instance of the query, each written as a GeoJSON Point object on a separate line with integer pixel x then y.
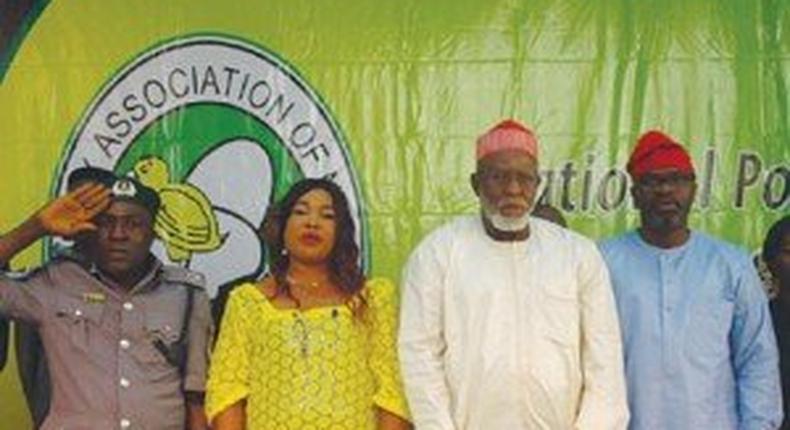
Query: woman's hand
{"type": "Point", "coordinates": [232, 418]}
{"type": "Point", "coordinates": [389, 421]}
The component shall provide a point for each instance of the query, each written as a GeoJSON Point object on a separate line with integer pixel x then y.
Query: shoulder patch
{"type": "Point", "coordinates": [180, 275]}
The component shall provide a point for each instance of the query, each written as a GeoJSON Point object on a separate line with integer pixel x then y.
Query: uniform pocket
{"type": "Point", "coordinates": [157, 368]}
{"type": "Point", "coordinates": [159, 352]}
{"type": "Point", "coordinates": [163, 324]}
{"type": "Point", "coordinates": [80, 320]}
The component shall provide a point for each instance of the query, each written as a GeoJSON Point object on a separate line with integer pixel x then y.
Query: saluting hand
{"type": "Point", "coordinates": [72, 213]}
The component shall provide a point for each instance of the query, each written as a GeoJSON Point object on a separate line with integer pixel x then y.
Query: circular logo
{"type": "Point", "coordinates": [220, 128]}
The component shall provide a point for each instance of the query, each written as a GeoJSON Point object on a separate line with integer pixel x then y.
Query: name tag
{"type": "Point", "coordinates": [94, 297]}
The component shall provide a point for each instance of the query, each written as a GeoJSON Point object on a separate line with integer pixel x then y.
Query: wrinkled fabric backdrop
{"type": "Point", "coordinates": [236, 100]}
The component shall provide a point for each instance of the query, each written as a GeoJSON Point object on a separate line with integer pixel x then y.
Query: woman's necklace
{"type": "Point", "coordinates": [311, 285]}
{"type": "Point", "coordinates": [302, 329]}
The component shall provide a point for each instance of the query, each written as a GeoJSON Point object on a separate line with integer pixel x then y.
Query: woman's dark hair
{"type": "Point", "coordinates": [773, 240]}
{"type": "Point", "coordinates": [344, 266]}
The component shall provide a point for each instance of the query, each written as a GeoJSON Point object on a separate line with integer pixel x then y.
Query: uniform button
{"type": "Point", "coordinates": [128, 306]}
{"type": "Point", "coordinates": [125, 424]}
{"type": "Point", "coordinates": [125, 383]}
{"type": "Point", "coordinates": [125, 344]}
{"type": "Point", "coordinates": [77, 313]}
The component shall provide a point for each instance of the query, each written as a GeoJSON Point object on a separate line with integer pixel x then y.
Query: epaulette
{"type": "Point", "coordinates": [180, 275]}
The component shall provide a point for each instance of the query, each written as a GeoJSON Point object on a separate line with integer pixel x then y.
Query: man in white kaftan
{"type": "Point", "coordinates": [508, 321]}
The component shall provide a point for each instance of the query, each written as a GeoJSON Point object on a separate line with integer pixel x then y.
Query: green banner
{"type": "Point", "coordinates": [225, 105]}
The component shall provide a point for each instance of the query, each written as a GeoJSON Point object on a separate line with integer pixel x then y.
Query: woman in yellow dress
{"type": "Point", "coordinates": [312, 344]}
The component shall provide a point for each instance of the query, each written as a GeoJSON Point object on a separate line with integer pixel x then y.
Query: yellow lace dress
{"type": "Point", "coordinates": [320, 368]}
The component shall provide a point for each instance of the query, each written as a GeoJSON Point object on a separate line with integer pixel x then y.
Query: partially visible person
{"type": "Point", "coordinates": [126, 337]}
{"type": "Point", "coordinates": [776, 254]}
{"type": "Point", "coordinates": [699, 346]}
{"type": "Point", "coordinates": [4, 330]}
{"type": "Point", "coordinates": [508, 321]}
{"type": "Point", "coordinates": [312, 344]}
{"type": "Point", "coordinates": [31, 363]}
{"type": "Point", "coordinates": [3, 342]}
{"type": "Point", "coordinates": [549, 213]}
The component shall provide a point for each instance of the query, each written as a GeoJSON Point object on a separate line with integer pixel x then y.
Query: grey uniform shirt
{"type": "Point", "coordinates": [105, 370]}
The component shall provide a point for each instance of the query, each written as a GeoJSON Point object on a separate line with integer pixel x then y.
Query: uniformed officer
{"type": "Point", "coordinates": [126, 337]}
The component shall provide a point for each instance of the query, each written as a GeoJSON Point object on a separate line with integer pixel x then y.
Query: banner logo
{"type": "Point", "coordinates": [220, 128]}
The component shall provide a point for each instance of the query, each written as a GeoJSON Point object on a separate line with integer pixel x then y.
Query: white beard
{"type": "Point", "coordinates": [501, 222]}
